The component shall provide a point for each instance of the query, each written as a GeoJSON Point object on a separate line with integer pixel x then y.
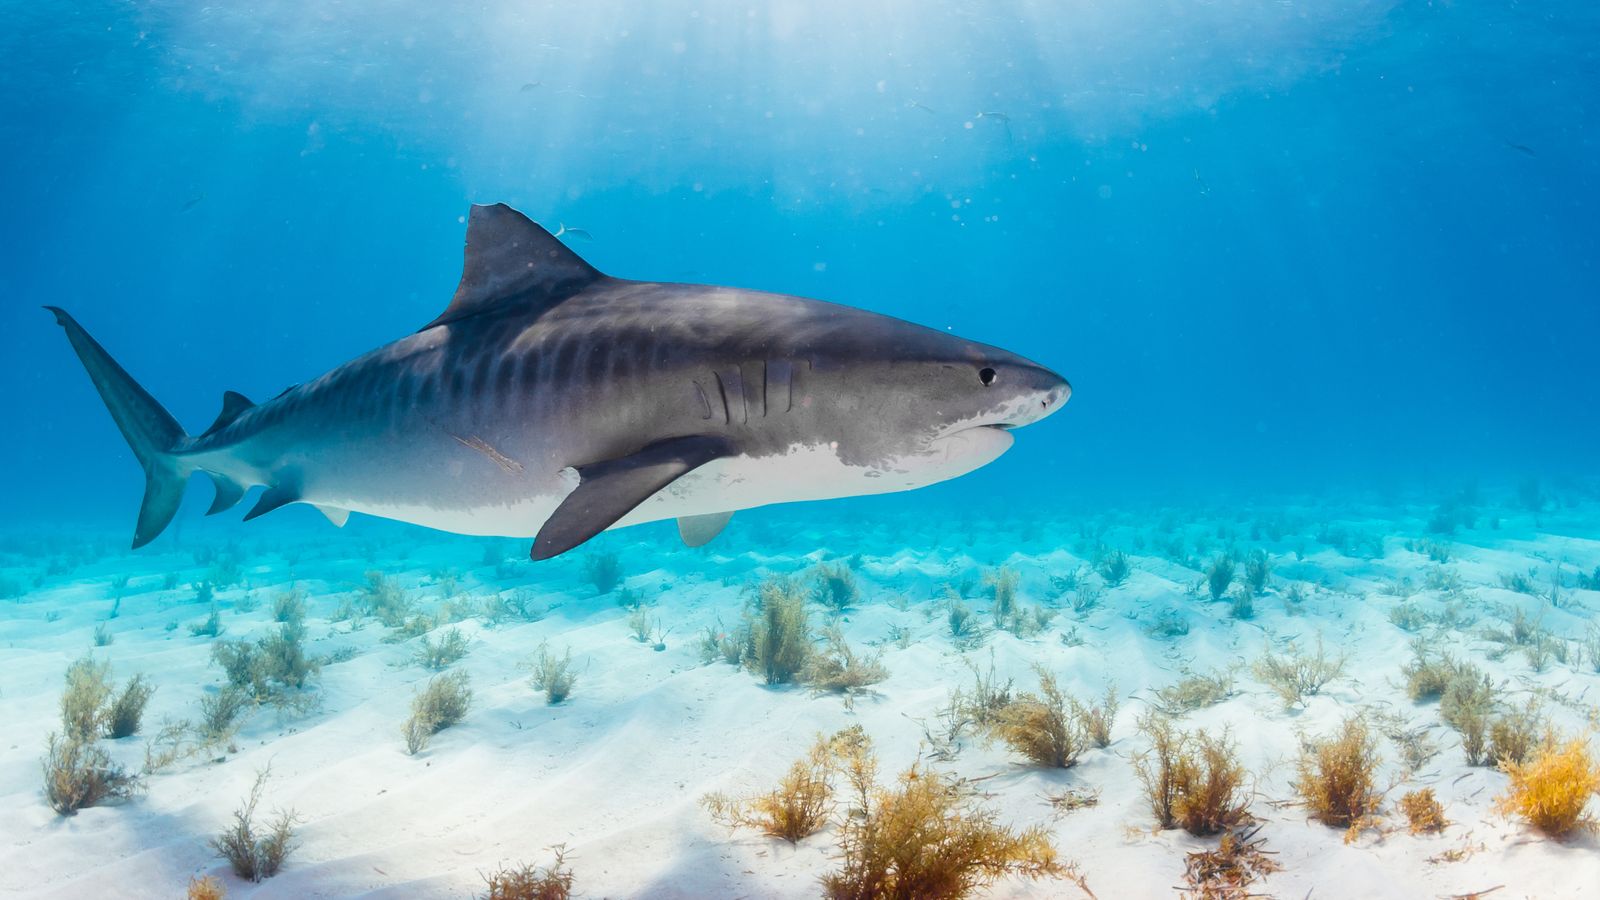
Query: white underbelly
{"type": "Point", "coordinates": [520, 518]}
{"type": "Point", "coordinates": [804, 472]}
{"type": "Point", "coordinates": [814, 472]}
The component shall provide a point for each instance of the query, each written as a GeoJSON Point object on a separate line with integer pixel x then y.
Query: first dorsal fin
{"type": "Point", "coordinates": [509, 258]}
{"type": "Point", "coordinates": [233, 405]}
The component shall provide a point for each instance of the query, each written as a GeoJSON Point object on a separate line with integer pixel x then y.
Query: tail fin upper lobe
{"type": "Point", "coordinates": [151, 431]}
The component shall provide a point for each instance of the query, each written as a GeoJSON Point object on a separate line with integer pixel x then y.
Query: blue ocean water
{"type": "Point", "coordinates": [1275, 246]}
{"type": "Point", "coordinates": [1323, 277]}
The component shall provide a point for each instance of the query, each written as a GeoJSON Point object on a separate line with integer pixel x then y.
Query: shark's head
{"type": "Point", "coordinates": [922, 404]}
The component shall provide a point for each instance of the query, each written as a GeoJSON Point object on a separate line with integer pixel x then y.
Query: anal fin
{"type": "Point", "coordinates": [228, 493]}
{"type": "Point", "coordinates": [272, 498]}
{"type": "Point", "coordinates": [697, 531]}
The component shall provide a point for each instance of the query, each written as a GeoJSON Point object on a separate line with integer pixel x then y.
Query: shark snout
{"type": "Point", "coordinates": [1056, 397]}
{"type": "Point", "coordinates": [1041, 392]}
{"type": "Point", "coordinates": [1057, 394]}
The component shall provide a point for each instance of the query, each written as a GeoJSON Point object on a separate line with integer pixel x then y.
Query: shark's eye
{"type": "Point", "coordinates": [986, 375]}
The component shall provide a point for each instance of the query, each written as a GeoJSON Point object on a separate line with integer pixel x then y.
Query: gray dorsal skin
{"type": "Point", "coordinates": [551, 401]}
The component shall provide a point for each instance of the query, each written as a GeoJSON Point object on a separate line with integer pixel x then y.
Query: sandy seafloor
{"type": "Point", "coordinates": [616, 773]}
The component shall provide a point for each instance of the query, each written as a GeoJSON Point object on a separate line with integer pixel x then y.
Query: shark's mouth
{"type": "Point", "coordinates": [969, 428]}
{"type": "Point", "coordinates": [987, 431]}
{"type": "Point", "coordinates": [1002, 417]}
{"type": "Point", "coordinates": [975, 445]}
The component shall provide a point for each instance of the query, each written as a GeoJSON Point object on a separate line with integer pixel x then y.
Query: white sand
{"type": "Point", "coordinates": [616, 773]}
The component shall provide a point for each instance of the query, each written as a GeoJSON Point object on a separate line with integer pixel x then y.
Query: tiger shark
{"type": "Point", "coordinates": [554, 402]}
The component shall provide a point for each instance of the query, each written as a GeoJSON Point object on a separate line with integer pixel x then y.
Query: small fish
{"type": "Point", "coordinates": [1522, 148]}
{"type": "Point", "coordinates": [1000, 117]}
{"type": "Point", "coordinates": [922, 106]}
{"type": "Point", "coordinates": [575, 232]}
{"type": "Point", "coordinates": [531, 85]}
{"type": "Point", "coordinates": [191, 203]}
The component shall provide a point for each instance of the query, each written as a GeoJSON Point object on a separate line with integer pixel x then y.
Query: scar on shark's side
{"type": "Point", "coordinates": [487, 449]}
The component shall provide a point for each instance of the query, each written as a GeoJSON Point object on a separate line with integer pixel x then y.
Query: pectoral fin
{"type": "Point", "coordinates": [609, 490]}
{"type": "Point", "coordinates": [698, 531]}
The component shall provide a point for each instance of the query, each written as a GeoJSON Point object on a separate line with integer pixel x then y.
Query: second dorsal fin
{"type": "Point", "coordinates": [233, 405]}
{"type": "Point", "coordinates": [509, 258]}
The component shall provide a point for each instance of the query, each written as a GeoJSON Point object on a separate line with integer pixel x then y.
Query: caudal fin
{"type": "Point", "coordinates": [151, 431]}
